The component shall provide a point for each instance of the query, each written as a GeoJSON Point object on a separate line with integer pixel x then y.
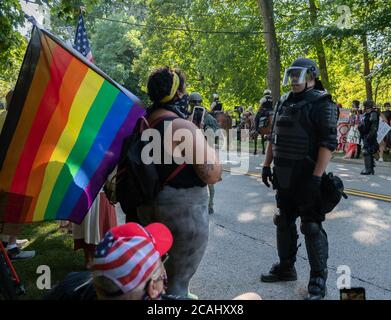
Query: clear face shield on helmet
{"type": "Point", "coordinates": [295, 76]}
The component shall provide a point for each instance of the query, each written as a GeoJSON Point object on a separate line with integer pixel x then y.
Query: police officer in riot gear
{"type": "Point", "coordinates": [304, 134]}
{"type": "Point", "coordinates": [216, 105]}
{"type": "Point", "coordinates": [265, 109]}
{"type": "Point", "coordinates": [368, 130]}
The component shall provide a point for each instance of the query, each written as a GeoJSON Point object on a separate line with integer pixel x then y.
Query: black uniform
{"type": "Point", "coordinates": [368, 130]}
{"type": "Point", "coordinates": [263, 114]}
{"type": "Point", "coordinates": [302, 123]}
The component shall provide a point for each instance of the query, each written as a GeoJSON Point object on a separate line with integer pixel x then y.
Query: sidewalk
{"type": "Point", "coordinates": [338, 159]}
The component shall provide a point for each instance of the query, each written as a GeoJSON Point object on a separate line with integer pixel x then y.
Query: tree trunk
{"type": "Point", "coordinates": [377, 90]}
{"type": "Point", "coordinates": [272, 48]}
{"type": "Point", "coordinates": [319, 46]}
{"type": "Point", "coordinates": [367, 69]}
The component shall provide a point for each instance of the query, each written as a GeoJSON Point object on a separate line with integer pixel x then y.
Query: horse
{"type": "Point", "coordinates": [224, 121]}
{"type": "Point", "coordinates": [264, 130]}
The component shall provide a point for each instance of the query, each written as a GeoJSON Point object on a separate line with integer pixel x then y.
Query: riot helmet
{"type": "Point", "coordinates": [300, 71]}
{"type": "Point", "coordinates": [369, 104]}
{"type": "Point", "coordinates": [195, 99]}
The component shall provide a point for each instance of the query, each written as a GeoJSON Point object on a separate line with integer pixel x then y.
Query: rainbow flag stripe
{"type": "Point", "coordinates": [63, 134]}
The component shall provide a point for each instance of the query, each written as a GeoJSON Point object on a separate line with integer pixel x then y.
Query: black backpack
{"type": "Point", "coordinates": [135, 182]}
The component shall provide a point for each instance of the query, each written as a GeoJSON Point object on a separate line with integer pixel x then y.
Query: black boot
{"type": "Point", "coordinates": [287, 248]}
{"type": "Point", "coordinates": [317, 251]}
{"type": "Point", "coordinates": [317, 288]}
{"type": "Point", "coordinates": [369, 165]}
{"type": "Point", "coordinates": [283, 271]}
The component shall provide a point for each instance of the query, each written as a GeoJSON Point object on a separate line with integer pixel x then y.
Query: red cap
{"type": "Point", "coordinates": [128, 254]}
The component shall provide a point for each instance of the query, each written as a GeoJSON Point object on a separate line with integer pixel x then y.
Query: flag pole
{"type": "Point", "coordinates": [31, 19]}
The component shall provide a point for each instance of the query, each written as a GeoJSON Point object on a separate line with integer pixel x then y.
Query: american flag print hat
{"type": "Point", "coordinates": [128, 254]}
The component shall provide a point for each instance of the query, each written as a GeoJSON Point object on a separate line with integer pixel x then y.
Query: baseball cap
{"type": "Point", "coordinates": [128, 254]}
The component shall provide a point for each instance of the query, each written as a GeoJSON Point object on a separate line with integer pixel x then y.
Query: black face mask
{"type": "Point", "coordinates": [179, 106]}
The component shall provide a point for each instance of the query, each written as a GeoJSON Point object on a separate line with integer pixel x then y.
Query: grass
{"type": "Point", "coordinates": [54, 249]}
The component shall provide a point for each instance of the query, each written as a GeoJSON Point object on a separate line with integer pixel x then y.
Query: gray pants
{"type": "Point", "coordinates": [185, 213]}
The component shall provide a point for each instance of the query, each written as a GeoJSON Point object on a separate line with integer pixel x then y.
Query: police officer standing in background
{"type": "Point", "coordinates": [304, 134]}
{"type": "Point", "coordinates": [368, 130]}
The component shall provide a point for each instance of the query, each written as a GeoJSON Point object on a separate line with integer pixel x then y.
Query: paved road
{"type": "Point", "coordinates": [242, 238]}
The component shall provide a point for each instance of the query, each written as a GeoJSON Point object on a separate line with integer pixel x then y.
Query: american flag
{"type": "Point", "coordinates": [81, 41]}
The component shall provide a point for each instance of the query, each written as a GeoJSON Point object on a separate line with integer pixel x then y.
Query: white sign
{"type": "Point", "coordinates": [384, 128]}
{"type": "Point", "coordinates": [353, 135]}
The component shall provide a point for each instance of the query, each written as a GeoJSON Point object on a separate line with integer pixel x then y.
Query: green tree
{"type": "Point", "coordinates": [12, 44]}
{"type": "Point", "coordinates": [219, 45]}
{"type": "Point", "coordinates": [114, 48]}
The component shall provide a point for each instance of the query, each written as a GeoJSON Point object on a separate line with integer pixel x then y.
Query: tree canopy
{"type": "Point", "coordinates": [221, 45]}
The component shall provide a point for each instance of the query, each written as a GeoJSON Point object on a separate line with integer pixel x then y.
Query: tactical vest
{"type": "Point", "coordinates": [368, 122]}
{"type": "Point", "coordinates": [268, 103]}
{"type": "Point", "coordinates": [290, 141]}
{"type": "Point", "coordinates": [218, 106]}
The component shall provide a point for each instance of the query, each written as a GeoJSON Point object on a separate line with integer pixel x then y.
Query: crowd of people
{"type": "Point", "coordinates": [129, 262]}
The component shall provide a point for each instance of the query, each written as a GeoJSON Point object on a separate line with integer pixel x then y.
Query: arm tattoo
{"type": "Point", "coordinates": [204, 171]}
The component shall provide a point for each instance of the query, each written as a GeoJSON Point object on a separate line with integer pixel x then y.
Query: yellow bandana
{"type": "Point", "coordinates": [174, 89]}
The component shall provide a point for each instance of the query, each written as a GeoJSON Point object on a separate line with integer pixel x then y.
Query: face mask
{"type": "Point", "coordinates": [179, 106]}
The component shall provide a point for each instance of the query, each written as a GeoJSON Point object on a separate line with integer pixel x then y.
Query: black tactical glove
{"type": "Point", "coordinates": [267, 176]}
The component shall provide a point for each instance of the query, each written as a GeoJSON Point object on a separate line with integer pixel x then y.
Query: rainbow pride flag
{"type": "Point", "coordinates": [63, 134]}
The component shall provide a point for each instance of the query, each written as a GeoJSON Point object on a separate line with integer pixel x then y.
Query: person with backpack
{"type": "Point", "coordinates": [182, 202]}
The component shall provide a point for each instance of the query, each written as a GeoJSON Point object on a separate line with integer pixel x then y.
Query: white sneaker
{"type": "Point", "coordinates": [21, 243]}
{"type": "Point", "coordinates": [381, 160]}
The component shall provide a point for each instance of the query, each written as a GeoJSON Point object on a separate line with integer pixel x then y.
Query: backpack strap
{"type": "Point", "coordinates": [173, 174]}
